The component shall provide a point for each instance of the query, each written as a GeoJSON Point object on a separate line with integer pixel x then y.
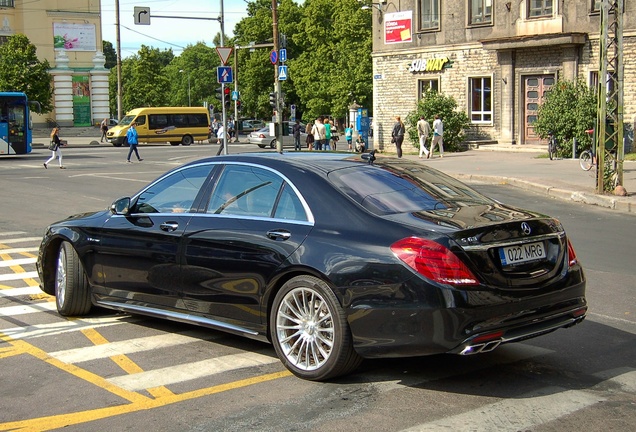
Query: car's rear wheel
{"type": "Point", "coordinates": [186, 140]}
{"type": "Point", "coordinates": [272, 144]}
{"type": "Point", "coordinates": [72, 292]}
{"type": "Point", "coordinates": [309, 330]}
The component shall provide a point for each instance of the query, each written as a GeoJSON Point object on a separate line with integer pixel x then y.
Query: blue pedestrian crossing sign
{"type": "Point", "coordinates": [235, 95]}
{"type": "Point", "coordinates": [224, 75]}
{"type": "Point", "coordinates": [282, 73]}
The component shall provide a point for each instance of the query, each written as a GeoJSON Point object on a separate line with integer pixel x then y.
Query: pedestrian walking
{"type": "Point", "coordinates": [423, 131]}
{"type": "Point", "coordinates": [397, 135]}
{"type": "Point", "coordinates": [296, 132]}
{"type": "Point", "coordinates": [133, 140]}
{"type": "Point", "coordinates": [349, 135]}
{"type": "Point", "coordinates": [334, 136]}
{"type": "Point", "coordinates": [438, 136]}
{"type": "Point", "coordinates": [220, 135]}
{"type": "Point", "coordinates": [318, 131]}
{"type": "Point", "coordinates": [327, 143]}
{"type": "Point", "coordinates": [104, 127]}
{"type": "Point", "coordinates": [310, 137]}
{"type": "Point", "coordinates": [54, 146]}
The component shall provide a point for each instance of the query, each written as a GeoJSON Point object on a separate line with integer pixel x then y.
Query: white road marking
{"type": "Point", "coordinates": [18, 276]}
{"type": "Point", "coordinates": [21, 240]}
{"type": "Point", "coordinates": [191, 371]}
{"type": "Point", "coordinates": [624, 377]}
{"type": "Point", "coordinates": [11, 233]}
{"type": "Point", "coordinates": [60, 327]}
{"type": "Point", "coordinates": [15, 292]}
{"type": "Point", "coordinates": [20, 250]}
{"type": "Point", "coordinates": [16, 262]}
{"type": "Point", "coordinates": [129, 346]}
{"type": "Point", "coordinates": [515, 414]}
{"type": "Point", "coordinates": [27, 309]}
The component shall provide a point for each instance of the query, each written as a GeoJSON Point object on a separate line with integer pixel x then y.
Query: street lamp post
{"type": "Point", "coordinates": [189, 100]}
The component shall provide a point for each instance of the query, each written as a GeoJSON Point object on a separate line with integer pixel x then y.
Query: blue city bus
{"type": "Point", "coordinates": [16, 127]}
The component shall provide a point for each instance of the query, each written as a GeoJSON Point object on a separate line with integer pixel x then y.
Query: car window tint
{"type": "Point", "coordinates": [289, 206]}
{"type": "Point", "coordinates": [402, 188]}
{"type": "Point", "coordinates": [173, 194]}
{"type": "Point", "coordinates": [245, 190]}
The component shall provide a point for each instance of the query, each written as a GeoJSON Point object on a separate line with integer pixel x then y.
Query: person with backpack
{"type": "Point", "coordinates": [132, 138]}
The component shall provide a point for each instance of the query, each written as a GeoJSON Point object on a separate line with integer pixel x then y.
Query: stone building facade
{"type": "Point", "coordinates": [69, 35]}
{"type": "Point", "coordinates": [495, 58]}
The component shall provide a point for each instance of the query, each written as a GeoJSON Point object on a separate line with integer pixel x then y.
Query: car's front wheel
{"type": "Point", "coordinates": [309, 331]}
{"type": "Point", "coordinates": [72, 293]}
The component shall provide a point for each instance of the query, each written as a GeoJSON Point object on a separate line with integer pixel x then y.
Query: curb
{"type": "Point", "coordinates": [605, 201]}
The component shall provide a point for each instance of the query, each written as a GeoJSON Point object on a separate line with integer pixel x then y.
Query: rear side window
{"type": "Point", "coordinates": [198, 120]}
{"type": "Point", "coordinates": [404, 188]}
{"type": "Point", "coordinates": [158, 121]}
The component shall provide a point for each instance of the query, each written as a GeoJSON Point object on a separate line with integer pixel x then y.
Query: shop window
{"type": "Point", "coordinates": [429, 14]}
{"type": "Point", "coordinates": [540, 8]}
{"type": "Point", "coordinates": [480, 12]}
{"type": "Point", "coordinates": [480, 93]}
{"type": "Point", "coordinates": [596, 5]}
{"type": "Point", "coordinates": [425, 85]}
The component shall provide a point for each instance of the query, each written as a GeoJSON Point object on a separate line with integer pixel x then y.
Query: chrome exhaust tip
{"type": "Point", "coordinates": [480, 348]}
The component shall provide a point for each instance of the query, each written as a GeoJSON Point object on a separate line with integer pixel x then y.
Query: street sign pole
{"type": "Point", "coordinates": [277, 86]}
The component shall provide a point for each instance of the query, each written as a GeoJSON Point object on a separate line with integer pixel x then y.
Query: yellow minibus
{"type": "Point", "coordinates": [176, 125]}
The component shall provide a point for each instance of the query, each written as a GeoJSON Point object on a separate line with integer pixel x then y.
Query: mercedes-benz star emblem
{"type": "Point", "coordinates": [525, 228]}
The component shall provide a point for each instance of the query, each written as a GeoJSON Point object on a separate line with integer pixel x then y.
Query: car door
{"type": "Point", "coordinates": [138, 251]}
{"type": "Point", "coordinates": [254, 220]}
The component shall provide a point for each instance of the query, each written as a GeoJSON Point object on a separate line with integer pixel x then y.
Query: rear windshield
{"type": "Point", "coordinates": [390, 188]}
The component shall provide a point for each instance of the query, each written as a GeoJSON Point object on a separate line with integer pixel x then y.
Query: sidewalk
{"type": "Point", "coordinates": [520, 167]}
{"type": "Point", "coordinates": [563, 179]}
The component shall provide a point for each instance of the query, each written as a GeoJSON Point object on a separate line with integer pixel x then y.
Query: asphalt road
{"type": "Point", "coordinates": [119, 372]}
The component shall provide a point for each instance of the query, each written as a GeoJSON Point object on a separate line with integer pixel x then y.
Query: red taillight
{"type": "Point", "coordinates": [571, 255]}
{"type": "Point", "coordinates": [261, 136]}
{"type": "Point", "coordinates": [433, 261]}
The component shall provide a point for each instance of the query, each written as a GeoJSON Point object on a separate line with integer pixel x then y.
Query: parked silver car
{"type": "Point", "coordinates": [263, 139]}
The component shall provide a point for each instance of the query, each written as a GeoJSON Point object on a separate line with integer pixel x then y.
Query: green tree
{"type": "Point", "coordinates": [110, 54]}
{"type": "Point", "coordinates": [455, 122]}
{"type": "Point", "coordinates": [568, 110]}
{"type": "Point", "coordinates": [144, 81]}
{"type": "Point", "coordinates": [22, 71]}
{"type": "Point", "coordinates": [198, 63]}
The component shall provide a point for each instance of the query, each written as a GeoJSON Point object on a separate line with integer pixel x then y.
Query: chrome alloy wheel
{"type": "Point", "coordinates": [61, 279]}
{"type": "Point", "coordinates": [305, 328]}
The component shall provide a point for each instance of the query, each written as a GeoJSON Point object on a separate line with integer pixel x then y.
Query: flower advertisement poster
{"type": "Point", "coordinates": [74, 37]}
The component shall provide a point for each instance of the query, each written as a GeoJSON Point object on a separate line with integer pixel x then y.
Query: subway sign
{"type": "Point", "coordinates": [430, 65]}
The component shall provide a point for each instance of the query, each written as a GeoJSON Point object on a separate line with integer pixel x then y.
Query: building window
{"type": "Point", "coordinates": [540, 8]}
{"type": "Point", "coordinates": [596, 5]}
{"type": "Point", "coordinates": [480, 99]}
{"type": "Point", "coordinates": [429, 14]}
{"type": "Point", "coordinates": [480, 12]}
{"type": "Point", "coordinates": [425, 85]}
{"type": "Point", "coordinates": [7, 3]}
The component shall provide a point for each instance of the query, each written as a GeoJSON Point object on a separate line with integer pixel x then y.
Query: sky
{"type": "Point", "coordinates": [175, 33]}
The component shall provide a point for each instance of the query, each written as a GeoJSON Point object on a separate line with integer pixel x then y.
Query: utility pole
{"type": "Point", "coordinates": [222, 20]}
{"type": "Point", "coordinates": [610, 90]}
{"type": "Point", "coordinates": [119, 91]}
{"type": "Point", "coordinates": [277, 86]}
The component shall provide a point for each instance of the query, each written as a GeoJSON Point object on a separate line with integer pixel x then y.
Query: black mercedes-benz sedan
{"type": "Point", "coordinates": [330, 257]}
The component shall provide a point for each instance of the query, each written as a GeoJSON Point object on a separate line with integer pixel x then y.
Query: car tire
{"type": "Point", "coordinates": [272, 144]}
{"type": "Point", "coordinates": [309, 330]}
{"type": "Point", "coordinates": [187, 140]}
{"type": "Point", "coordinates": [174, 143]}
{"type": "Point", "coordinates": [261, 145]}
{"type": "Point", "coordinates": [72, 291]}
{"type": "Point", "coordinates": [119, 144]}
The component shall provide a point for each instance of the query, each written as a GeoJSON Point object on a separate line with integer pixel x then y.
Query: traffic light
{"type": "Point", "coordinates": [272, 99]}
{"type": "Point", "coordinates": [219, 93]}
{"type": "Point", "coordinates": [238, 105]}
{"type": "Point", "coordinates": [227, 99]}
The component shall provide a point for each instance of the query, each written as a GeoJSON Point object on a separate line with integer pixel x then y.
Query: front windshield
{"type": "Point", "coordinates": [127, 120]}
{"type": "Point", "coordinates": [391, 188]}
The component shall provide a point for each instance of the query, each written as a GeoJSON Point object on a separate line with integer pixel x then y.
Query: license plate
{"type": "Point", "coordinates": [511, 255]}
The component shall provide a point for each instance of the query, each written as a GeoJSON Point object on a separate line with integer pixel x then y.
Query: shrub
{"type": "Point", "coordinates": [455, 122]}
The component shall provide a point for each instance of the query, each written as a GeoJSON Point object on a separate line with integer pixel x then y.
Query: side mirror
{"type": "Point", "coordinates": [120, 206]}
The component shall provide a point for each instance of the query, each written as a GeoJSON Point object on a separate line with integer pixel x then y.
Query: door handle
{"type": "Point", "coordinates": [279, 235]}
{"type": "Point", "coordinates": [169, 226]}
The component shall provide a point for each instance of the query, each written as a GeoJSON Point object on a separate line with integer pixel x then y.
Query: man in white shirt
{"type": "Point", "coordinates": [438, 133]}
{"type": "Point", "coordinates": [423, 130]}
{"type": "Point", "coordinates": [220, 135]}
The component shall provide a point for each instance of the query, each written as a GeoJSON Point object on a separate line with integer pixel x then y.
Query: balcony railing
{"type": "Point", "coordinates": [7, 3]}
